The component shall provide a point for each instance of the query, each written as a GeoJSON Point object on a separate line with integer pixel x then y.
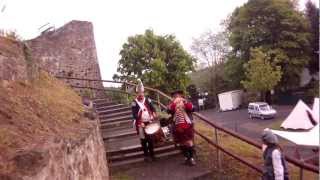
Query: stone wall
{"type": "Point", "coordinates": [12, 60]}
{"type": "Point", "coordinates": [75, 160]}
{"type": "Point", "coordinates": [62, 160]}
{"type": "Point", "coordinates": [69, 51]}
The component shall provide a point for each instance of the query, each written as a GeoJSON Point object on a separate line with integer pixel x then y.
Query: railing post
{"type": "Point", "coordinates": [218, 152]}
{"type": "Point", "coordinates": [301, 173]}
{"type": "Point", "coordinates": [158, 99]}
{"type": "Point", "coordinates": [126, 90]}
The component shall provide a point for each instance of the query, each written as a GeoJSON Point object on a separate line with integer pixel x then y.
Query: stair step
{"type": "Point", "coordinates": [118, 134]}
{"type": "Point", "coordinates": [115, 119]}
{"type": "Point", "coordinates": [113, 145]}
{"type": "Point", "coordinates": [109, 111]}
{"type": "Point", "coordinates": [117, 124]}
{"type": "Point", "coordinates": [100, 100]}
{"type": "Point", "coordinates": [115, 114]}
{"type": "Point", "coordinates": [135, 148]}
{"type": "Point", "coordinates": [138, 160]}
{"type": "Point", "coordinates": [139, 153]}
{"type": "Point", "coordinates": [111, 106]}
{"type": "Point", "coordinates": [104, 103]}
{"type": "Point", "coordinates": [117, 129]}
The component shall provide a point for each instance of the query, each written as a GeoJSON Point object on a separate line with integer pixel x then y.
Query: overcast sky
{"type": "Point", "coordinates": [115, 20]}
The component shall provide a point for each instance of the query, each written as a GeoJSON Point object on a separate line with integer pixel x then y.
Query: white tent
{"type": "Point", "coordinates": [298, 118]}
{"type": "Point", "coordinates": [309, 138]}
{"type": "Point", "coordinates": [315, 109]}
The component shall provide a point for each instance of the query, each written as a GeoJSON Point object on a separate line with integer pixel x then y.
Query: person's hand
{"type": "Point", "coordinates": [177, 100]}
{"type": "Point", "coordinates": [155, 115]}
{"type": "Point", "coordinates": [264, 147]}
{"type": "Point", "coordinates": [180, 104]}
{"type": "Point", "coordinates": [142, 125]}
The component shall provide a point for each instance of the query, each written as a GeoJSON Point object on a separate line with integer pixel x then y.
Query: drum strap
{"type": "Point", "coordinates": [142, 106]}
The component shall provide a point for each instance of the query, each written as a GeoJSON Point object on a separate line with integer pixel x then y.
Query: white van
{"type": "Point", "coordinates": [261, 110]}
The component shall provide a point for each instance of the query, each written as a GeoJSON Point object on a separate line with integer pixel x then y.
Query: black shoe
{"type": "Point", "coordinates": [153, 159]}
{"type": "Point", "coordinates": [147, 159]}
{"type": "Point", "coordinates": [192, 162]}
{"type": "Point", "coordinates": [186, 161]}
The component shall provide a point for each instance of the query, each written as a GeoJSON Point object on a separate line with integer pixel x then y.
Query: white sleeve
{"type": "Point", "coordinates": [277, 165]}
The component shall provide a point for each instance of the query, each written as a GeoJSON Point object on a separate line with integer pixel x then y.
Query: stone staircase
{"type": "Point", "coordinates": [120, 138]}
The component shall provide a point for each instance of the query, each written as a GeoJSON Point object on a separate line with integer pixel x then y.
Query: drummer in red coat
{"type": "Point", "coordinates": [181, 111]}
{"type": "Point", "coordinates": [143, 113]}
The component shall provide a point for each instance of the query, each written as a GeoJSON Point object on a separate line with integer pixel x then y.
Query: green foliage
{"type": "Point", "coordinates": [116, 95]}
{"type": "Point", "coordinates": [276, 26]}
{"type": "Point", "coordinates": [12, 35]}
{"type": "Point", "coordinates": [192, 91]}
{"type": "Point", "coordinates": [312, 14]}
{"type": "Point", "coordinates": [234, 72]}
{"type": "Point", "coordinates": [211, 48]}
{"type": "Point", "coordinates": [32, 67]}
{"type": "Point", "coordinates": [314, 90]}
{"type": "Point", "coordinates": [159, 61]}
{"type": "Point", "coordinates": [261, 75]}
{"type": "Point", "coordinates": [210, 79]}
{"type": "Point", "coordinates": [87, 93]}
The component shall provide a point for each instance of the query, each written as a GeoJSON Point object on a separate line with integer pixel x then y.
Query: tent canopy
{"type": "Point", "coordinates": [298, 118]}
{"type": "Point", "coordinates": [315, 109]}
{"type": "Point", "coordinates": [309, 138]}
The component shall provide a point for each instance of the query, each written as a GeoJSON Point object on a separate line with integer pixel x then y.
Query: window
{"type": "Point", "coordinates": [264, 107]}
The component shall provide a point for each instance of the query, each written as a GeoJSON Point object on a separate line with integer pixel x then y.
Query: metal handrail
{"type": "Point", "coordinates": [250, 141]}
{"type": "Point", "coordinates": [249, 164]}
{"type": "Point", "coordinates": [294, 161]}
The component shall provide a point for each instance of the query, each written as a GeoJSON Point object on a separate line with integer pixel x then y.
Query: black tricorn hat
{"type": "Point", "coordinates": [177, 92]}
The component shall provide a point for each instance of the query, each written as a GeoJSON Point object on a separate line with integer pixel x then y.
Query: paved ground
{"type": "Point", "coordinates": [166, 168]}
{"type": "Point", "coordinates": [239, 121]}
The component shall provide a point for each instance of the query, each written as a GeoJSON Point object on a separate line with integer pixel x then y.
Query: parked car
{"type": "Point", "coordinates": [261, 110]}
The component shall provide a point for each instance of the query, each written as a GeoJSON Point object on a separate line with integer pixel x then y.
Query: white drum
{"type": "Point", "coordinates": [152, 128]}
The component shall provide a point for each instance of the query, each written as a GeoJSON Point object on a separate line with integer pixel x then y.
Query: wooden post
{"type": "Point", "coordinates": [158, 99]}
{"type": "Point", "coordinates": [236, 125]}
{"type": "Point", "coordinates": [218, 152]}
{"type": "Point", "coordinates": [127, 95]}
{"type": "Point", "coordinates": [301, 173]}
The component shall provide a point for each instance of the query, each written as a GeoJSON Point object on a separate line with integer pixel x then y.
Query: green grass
{"type": "Point", "coordinates": [121, 176]}
{"type": "Point", "coordinates": [276, 125]}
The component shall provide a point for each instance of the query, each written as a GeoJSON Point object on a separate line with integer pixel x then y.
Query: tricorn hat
{"type": "Point", "coordinates": [177, 92]}
{"type": "Point", "coordinates": [139, 87]}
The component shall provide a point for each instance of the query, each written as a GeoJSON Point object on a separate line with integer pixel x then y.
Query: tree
{"type": "Point", "coordinates": [159, 61]}
{"type": "Point", "coordinates": [210, 47]}
{"type": "Point", "coordinates": [233, 72]}
{"type": "Point", "coordinates": [278, 28]}
{"type": "Point", "coordinates": [312, 14]}
{"type": "Point", "coordinates": [261, 74]}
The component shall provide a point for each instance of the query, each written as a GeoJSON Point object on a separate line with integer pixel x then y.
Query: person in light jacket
{"type": "Point", "coordinates": [275, 166]}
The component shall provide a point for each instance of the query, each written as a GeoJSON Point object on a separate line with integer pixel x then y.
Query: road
{"type": "Point", "coordinates": [239, 121]}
